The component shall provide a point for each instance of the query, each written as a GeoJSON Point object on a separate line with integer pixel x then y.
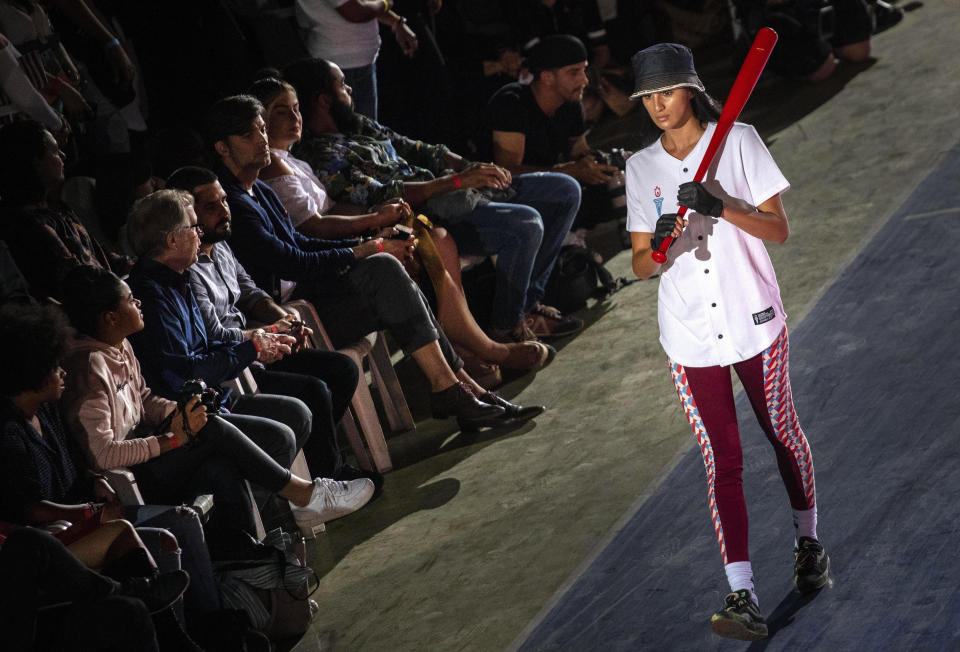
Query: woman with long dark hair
{"type": "Point", "coordinates": [719, 307]}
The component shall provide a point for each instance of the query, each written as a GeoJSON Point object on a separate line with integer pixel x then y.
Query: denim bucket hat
{"type": "Point", "coordinates": [663, 67]}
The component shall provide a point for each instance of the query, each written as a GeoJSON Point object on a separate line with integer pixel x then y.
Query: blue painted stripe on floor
{"type": "Point", "coordinates": [875, 371]}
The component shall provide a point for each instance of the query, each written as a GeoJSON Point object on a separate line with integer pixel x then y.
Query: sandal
{"type": "Point", "coordinates": [528, 356]}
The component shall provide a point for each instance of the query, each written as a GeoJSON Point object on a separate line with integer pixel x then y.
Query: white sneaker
{"type": "Point", "coordinates": [331, 499]}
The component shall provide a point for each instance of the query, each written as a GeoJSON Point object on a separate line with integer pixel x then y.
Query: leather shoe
{"type": "Point", "coordinates": [511, 411]}
{"type": "Point", "coordinates": [472, 414]}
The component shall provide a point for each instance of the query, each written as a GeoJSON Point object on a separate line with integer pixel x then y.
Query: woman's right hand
{"type": "Point", "coordinates": [393, 212]}
{"type": "Point", "coordinates": [196, 419]}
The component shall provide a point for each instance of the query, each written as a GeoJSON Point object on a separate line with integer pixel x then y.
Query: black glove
{"type": "Point", "coordinates": [664, 229]}
{"type": "Point", "coordinates": [695, 197]}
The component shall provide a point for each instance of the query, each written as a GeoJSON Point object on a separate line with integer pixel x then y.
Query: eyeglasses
{"type": "Point", "coordinates": [198, 228]}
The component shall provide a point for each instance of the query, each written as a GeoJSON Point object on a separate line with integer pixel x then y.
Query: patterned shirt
{"type": "Point", "coordinates": [369, 167]}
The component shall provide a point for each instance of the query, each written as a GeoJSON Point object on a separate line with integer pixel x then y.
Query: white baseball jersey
{"type": "Point", "coordinates": [719, 302]}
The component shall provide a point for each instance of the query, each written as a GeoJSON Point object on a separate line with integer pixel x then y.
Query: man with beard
{"type": "Point", "coordinates": [357, 287]}
{"type": "Point", "coordinates": [522, 220]}
{"type": "Point", "coordinates": [540, 126]}
{"type": "Point", "coordinates": [324, 380]}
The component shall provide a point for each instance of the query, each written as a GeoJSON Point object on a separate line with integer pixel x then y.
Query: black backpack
{"type": "Point", "coordinates": [576, 277]}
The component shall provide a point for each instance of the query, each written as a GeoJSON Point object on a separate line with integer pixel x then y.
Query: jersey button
{"type": "Point", "coordinates": [699, 237]}
{"type": "Point", "coordinates": [684, 169]}
{"type": "Point", "coordinates": [713, 305]}
{"type": "Point", "coordinates": [720, 337]}
{"type": "Point", "coordinates": [706, 271]}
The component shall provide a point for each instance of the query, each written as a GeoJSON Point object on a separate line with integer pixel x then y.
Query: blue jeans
{"type": "Point", "coordinates": [525, 235]}
{"type": "Point", "coordinates": [363, 82]}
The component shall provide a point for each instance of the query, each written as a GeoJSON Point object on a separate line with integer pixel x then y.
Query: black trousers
{"type": "Point", "coordinates": [377, 294]}
{"type": "Point", "coordinates": [325, 381]}
{"type": "Point", "coordinates": [216, 461]}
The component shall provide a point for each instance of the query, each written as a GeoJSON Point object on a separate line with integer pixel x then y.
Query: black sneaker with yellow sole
{"type": "Point", "coordinates": [811, 567]}
{"type": "Point", "coordinates": [740, 618]}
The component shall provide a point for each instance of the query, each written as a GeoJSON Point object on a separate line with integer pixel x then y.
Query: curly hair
{"type": "Point", "coordinates": [35, 339]}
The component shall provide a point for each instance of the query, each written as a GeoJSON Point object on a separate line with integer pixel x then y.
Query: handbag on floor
{"type": "Point", "coordinates": [274, 591]}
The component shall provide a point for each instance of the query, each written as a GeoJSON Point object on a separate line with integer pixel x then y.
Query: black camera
{"type": "Point", "coordinates": [616, 183]}
{"type": "Point", "coordinates": [209, 396]}
{"type": "Point", "coordinates": [296, 331]}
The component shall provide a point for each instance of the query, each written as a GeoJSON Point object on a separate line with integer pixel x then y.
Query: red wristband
{"type": "Point", "coordinates": [256, 347]}
{"type": "Point", "coordinates": [273, 328]}
{"type": "Point", "coordinates": [380, 245]}
{"type": "Point", "coordinates": [457, 182]}
{"type": "Point", "coordinates": [174, 442]}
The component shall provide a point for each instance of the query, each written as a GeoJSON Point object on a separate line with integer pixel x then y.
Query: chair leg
{"type": "Point", "coordinates": [388, 385]}
{"type": "Point", "coordinates": [369, 423]}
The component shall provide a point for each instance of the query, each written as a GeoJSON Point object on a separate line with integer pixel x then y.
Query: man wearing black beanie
{"type": "Point", "coordinates": [541, 126]}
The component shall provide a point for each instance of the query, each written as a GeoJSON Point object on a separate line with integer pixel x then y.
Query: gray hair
{"type": "Point", "coordinates": [155, 216]}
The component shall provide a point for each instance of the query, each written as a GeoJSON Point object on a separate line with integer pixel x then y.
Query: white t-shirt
{"type": "Point", "coordinates": [330, 36]}
{"type": "Point", "coordinates": [301, 193]}
{"type": "Point", "coordinates": [718, 302]}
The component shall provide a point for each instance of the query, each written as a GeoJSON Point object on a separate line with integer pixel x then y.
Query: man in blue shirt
{"type": "Point", "coordinates": [357, 287]}
{"type": "Point", "coordinates": [324, 380]}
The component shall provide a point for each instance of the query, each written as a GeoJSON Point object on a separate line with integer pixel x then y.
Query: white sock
{"type": "Point", "coordinates": [805, 522]}
{"type": "Point", "coordinates": [740, 576]}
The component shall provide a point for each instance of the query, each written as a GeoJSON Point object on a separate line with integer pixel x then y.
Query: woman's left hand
{"type": "Point", "coordinates": [695, 197]}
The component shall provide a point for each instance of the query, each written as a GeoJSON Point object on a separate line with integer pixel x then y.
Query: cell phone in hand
{"type": "Point", "coordinates": [402, 232]}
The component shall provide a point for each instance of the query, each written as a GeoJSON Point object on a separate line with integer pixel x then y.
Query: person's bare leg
{"type": "Point", "coordinates": [110, 541]}
{"type": "Point", "coordinates": [855, 52]}
{"type": "Point", "coordinates": [447, 249]}
{"type": "Point", "coordinates": [825, 70]}
{"type": "Point", "coordinates": [458, 323]}
{"type": "Point", "coordinates": [298, 491]}
{"type": "Point", "coordinates": [432, 363]}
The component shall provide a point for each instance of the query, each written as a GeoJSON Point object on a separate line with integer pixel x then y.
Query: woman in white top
{"type": "Point", "coordinates": [305, 199]}
{"type": "Point", "coordinates": [719, 307]}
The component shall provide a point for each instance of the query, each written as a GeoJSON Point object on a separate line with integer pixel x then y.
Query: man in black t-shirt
{"type": "Point", "coordinates": [540, 126]}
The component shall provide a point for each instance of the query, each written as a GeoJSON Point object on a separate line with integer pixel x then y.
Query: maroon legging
{"type": "Point", "coordinates": [707, 397]}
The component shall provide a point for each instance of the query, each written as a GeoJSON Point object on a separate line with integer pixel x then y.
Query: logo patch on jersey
{"type": "Point", "coordinates": [656, 191]}
{"type": "Point", "coordinates": [763, 316]}
{"type": "Point", "coordinates": [658, 202]}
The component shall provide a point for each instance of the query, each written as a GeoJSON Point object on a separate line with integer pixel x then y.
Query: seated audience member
{"type": "Point", "coordinates": [121, 180]}
{"type": "Point", "coordinates": [44, 236]}
{"type": "Point", "coordinates": [13, 287]}
{"type": "Point", "coordinates": [521, 220]}
{"type": "Point", "coordinates": [540, 126]}
{"type": "Point", "coordinates": [305, 199]}
{"type": "Point", "coordinates": [39, 482]}
{"type": "Point", "coordinates": [803, 51]}
{"type": "Point", "coordinates": [22, 96]}
{"type": "Point", "coordinates": [356, 288]}
{"type": "Point", "coordinates": [37, 571]}
{"type": "Point", "coordinates": [324, 380]}
{"type": "Point", "coordinates": [175, 451]}
{"type": "Point", "coordinates": [42, 480]}
{"type": "Point", "coordinates": [174, 345]}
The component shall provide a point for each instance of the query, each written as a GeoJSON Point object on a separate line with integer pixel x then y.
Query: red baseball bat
{"type": "Point", "coordinates": [742, 87]}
